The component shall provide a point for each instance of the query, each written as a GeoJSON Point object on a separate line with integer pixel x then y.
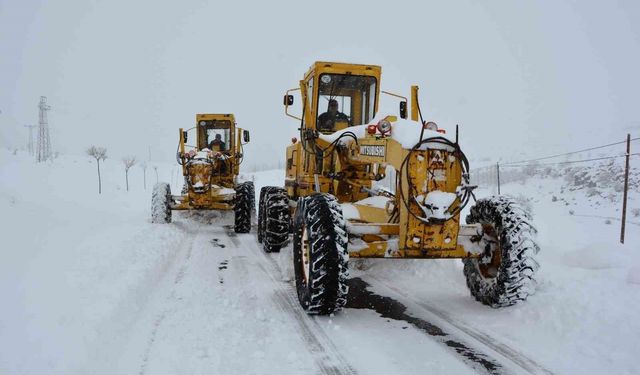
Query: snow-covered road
{"type": "Point", "coordinates": [89, 285]}
{"type": "Point", "coordinates": [225, 306]}
{"type": "Point", "coordinates": [219, 310]}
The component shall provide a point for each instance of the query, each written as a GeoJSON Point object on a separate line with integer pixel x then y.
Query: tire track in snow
{"type": "Point", "coordinates": [479, 350]}
{"type": "Point", "coordinates": [188, 249]}
{"type": "Point", "coordinates": [470, 334]}
{"type": "Point", "coordinates": [477, 360]}
{"type": "Point", "coordinates": [361, 297]}
{"type": "Point", "coordinates": [327, 357]}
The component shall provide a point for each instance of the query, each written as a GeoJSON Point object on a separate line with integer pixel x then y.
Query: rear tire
{"type": "Point", "coordinates": [245, 198]}
{"type": "Point", "coordinates": [274, 218]}
{"type": "Point", "coordinates": [504, 275]}
{"type": "Point", "coordinates": [161, 204]}
{"type": "Point", "coordinates": [320, 254]}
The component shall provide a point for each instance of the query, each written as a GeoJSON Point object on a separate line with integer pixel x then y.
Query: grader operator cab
{"type": "Point", "coordinates": [337, 208]}
{"type": "Point", "coordinates": [210, 167]}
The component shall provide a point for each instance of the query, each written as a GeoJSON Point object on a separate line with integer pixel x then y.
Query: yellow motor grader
{"type": "Point", "coordinates": [336, 207]}
{"type": "Point", "coordinates": [210, 168]}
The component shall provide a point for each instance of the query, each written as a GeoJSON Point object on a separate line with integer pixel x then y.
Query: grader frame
{"type": "Point", "coordinates": [210, 169]}
{"type": "Point", "coordinates": [350, 173]}
{"type": "Point", "coordinates": [331, 205]}
{"type": "Point", "coordinates": [225, 169]}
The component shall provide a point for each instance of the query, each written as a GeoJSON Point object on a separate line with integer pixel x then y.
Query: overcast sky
{"type": "Point", "coordinates": [521, 78]}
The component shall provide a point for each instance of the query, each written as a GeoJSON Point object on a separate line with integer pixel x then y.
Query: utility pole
{"type": "Point", "coordinates": [44, 142]}
{"type": "Point", "coordinates": [626, 189]}
{"type": "Point", "coordinates": [498, 176]}
{"type": "Point", "coordinates": [30, 142]}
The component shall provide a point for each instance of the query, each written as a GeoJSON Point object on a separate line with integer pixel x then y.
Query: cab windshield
{"type": "Point", "coordinates": [344, 100]}
{"type": "Point", "coordinates": [215, 135]}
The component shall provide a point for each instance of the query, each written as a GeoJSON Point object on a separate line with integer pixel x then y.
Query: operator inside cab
{"type": "Point", "coordinates": [327, 121]}
{"type": "Point", "coordinates": [350, 100]}
{"type": "Point", "coordinates": [217, 144]}
{"type": "Point", "coordinates": [215, 135]}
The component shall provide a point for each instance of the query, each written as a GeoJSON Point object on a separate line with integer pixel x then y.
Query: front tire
{"type": "Point", "coordinates": [274, 218]}
{"type": "Point", "coordinates": [161, 204]}
{"type": "Point", "coordinates": [245, 198]}
{"type": "Point", "coordinates": [320, 254]}
{"type": "Point", "coordinates": [504, 274]}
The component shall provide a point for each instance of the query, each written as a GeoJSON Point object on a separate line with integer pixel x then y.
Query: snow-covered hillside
{"type": "Point", "coordinates": [88, 285]}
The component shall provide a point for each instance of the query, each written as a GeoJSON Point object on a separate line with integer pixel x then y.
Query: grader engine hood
{"type": "Point", "coordinates": [199, 174]}
{"type": "Point", "coordinates": [201, 167]}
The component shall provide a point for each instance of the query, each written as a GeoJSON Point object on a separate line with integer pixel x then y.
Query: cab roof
{"type": "Point", "coordinates": [344, 68]}
{"type": "Point", "coordinates": [215, 116]}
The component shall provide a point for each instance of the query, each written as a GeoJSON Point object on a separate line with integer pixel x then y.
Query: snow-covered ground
{"type": "Point", "coordinates": [582, 318]}
{"type": "Point", "coordinates": [88, 285]}
{"type": "Point", "coordinates": [75, 267]}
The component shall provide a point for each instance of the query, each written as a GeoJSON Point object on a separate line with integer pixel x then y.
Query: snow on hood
{"type": "Point", "coordinates": [202, 154]}
{"type": "Point", "coordinates": [406, 132]}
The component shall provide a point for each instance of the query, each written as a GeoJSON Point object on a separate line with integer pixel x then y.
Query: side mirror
{"type": "Point", "coordinates": [288, 100]}
{"type": "Point", "coordinates": [403, 109]}
{"type": "Point", "coordinates": [184, 136]}
{"type": "Point", "coordinates": [245, 136]}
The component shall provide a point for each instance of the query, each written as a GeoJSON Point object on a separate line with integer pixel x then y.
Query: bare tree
{"type": "Point", "coordinates": [143, 165]}
{"type": "Point", "coordinates": [155, 168]}
{"type": "Point", "coordinates": [98, 153]}
{"type": "Point", "coordinates": [128, 162]}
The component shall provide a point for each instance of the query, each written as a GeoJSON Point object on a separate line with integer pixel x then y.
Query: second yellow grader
{"type": "Point", "coordinates": [210, 168]}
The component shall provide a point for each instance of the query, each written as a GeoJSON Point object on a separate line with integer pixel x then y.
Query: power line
{"type": "Point", "coordinates": [557, 155]}
{"type": "Point", "coordinates": [575, 161]}
{"type": "Point", "coordinates": [569, 153]}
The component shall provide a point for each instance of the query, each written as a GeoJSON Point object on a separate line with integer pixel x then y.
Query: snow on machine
{"type": "Point", "coordinates": [335, 210]}
{"type": "Point", "coordinates": [210, 169]}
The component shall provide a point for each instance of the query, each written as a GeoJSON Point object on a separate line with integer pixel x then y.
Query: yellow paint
{"type": "Point", "coordinates": [348, 171]}
{"type": "Point", "coordinates": [414, 103]}
{"type": "Point", "coordinates": [211, 176]}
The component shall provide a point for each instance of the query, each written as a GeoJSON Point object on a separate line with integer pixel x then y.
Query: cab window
{"type": "Point", "coordinates": [215, 135]}
{"type": "Point", "coordinates": [344, 100]}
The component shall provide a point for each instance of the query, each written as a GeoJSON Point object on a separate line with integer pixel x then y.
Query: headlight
{"type": "Point", "coordinates": [203, 123]}
{"type": "Point", "coordinates": [384, 126]}
{"type": "Point", "coordinates": [431, 126]}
